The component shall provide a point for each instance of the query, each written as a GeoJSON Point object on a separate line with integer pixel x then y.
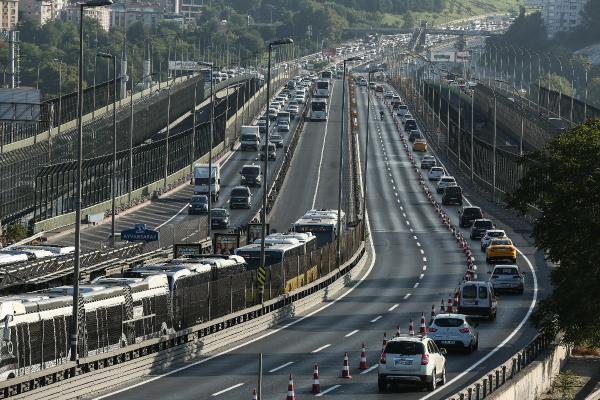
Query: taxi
{"type": "Point", "coordinates": [501, 249]}
{"type": "Point", "coordinates": [420, 145]}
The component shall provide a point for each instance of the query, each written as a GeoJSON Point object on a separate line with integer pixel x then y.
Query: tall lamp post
{"type": "Point", "coordinates": [263, 212]}
{"type": "Point", "coordinates": [113, 172]}
{"type": "Point", "coordinates": [341, 165]}
{"type": "Point", "coordinates": [78, 173]}
{"type": "Point", "coordinates": [210, 140]}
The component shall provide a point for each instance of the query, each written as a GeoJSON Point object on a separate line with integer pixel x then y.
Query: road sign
{"type": "Point", "coordinates": [139, 233]}
{"type": "Point", "coordinates": [261, 275]}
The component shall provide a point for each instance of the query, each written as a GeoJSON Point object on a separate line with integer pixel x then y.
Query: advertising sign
{"type": "Point", "coordinates": [139, 233]}
{"type": "Point", "coordinates": [185, 66]}
{"type": "Point", "coordinates": [226, 243]}
{"type": "Point", "coordinates": [254, 232]}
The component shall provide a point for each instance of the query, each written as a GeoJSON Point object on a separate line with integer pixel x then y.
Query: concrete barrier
{"type": "Point", "coordinates": [535, 379]}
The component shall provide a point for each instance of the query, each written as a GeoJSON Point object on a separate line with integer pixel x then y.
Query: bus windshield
{"type": "Point", "coordinates": [318, 106]}
{"type": "Point", "coordinates": [323, 233]}
{"type": "Point", "coordinates": [326, 74]}
{"type": "Point", "coordinates": [322, 85]}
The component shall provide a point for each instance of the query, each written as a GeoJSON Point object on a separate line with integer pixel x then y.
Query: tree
{"type": "Point", "coordinates": [594, 91]}
{"type": "Point", "coordinates": [557, 83]}
{"type": "Point", "coordinates": [461, 43]}
{"type": "Point", "coordinates": [408, 21]}
{"type": "Point", "coordinates": [15, 232]}
{"type": "Point", "coordinates": [563, 182]}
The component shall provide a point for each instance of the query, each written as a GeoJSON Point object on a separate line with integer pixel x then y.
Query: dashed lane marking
{"type": "Point", "coordinates": [227, 390]}
{"type": "Point", "coordinates": [320, 348]}
{"type": "Point", "coordinates": [281, 366]}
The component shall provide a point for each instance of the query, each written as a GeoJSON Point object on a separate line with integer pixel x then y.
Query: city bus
{"type": "Point", "coordinates": [326, 74]}
{"type": "Point", "coordinates": [321, 223]}
{"type": "Point", "coordinates": [322, 88]}
{"type": "Point", "coordinates": [318, 110]}
{"type": "Point", "coordinates": [276, 251]}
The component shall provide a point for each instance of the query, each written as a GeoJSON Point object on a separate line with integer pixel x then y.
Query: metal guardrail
{"type": "Point", "coordinates": [491, 381]}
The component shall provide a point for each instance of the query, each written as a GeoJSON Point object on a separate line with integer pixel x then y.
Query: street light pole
{"type": "Point", "coordinates": [210, 142]}
{"type": "Point", "coordinates": [364, 218]}
{"type": "Point", "coordinates": [113, 181]}
{"type": "Point", "coordinates": [78, 186]}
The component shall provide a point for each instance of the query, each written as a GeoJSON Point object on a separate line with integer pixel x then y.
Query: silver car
{"type": "Point", "coordinates": [492, 234]}
{"type": "Point", "coordinates": [508, 278]}
{"type": "Point", "coordinates": [412, 359]}
{"type": "Point", "coordinates": [454, 331]}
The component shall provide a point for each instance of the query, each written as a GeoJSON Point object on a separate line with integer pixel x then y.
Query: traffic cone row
{"type": "Point", "coordinates": [471, 267]}
{"type": "Point", "coordinates": [316, 387]}
{"type": "Point", "coordinates": [423, 328]}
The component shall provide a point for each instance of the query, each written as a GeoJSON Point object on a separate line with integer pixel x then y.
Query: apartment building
{"type": "Point", "coordinates": [41, 11]}
{"type": "Point", "coordinates": [9, 14]}
{"type": "Point", "coordinates": [559, 15]}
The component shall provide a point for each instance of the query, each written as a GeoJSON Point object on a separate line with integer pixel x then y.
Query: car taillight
{"type": "Point", "coordinates": [382, 358]}
{"type": "Point", "coordinates": [464, 330]}
{"type": "Point", "coordinates": [424, 359]}
{"type": "Point", "coordinates": [432, 329]}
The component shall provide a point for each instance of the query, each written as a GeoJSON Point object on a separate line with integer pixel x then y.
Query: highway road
{"type": "Point", "coordinates": [169, 213]}
{"type": "Point", "coordinates": [413, 263]}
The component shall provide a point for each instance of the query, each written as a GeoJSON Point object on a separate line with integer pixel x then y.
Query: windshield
{"type": "Point", "coordinates": [199, 200]}
{"type": "Point", "coordinates": [453, 190]}
{"type": "Point", "coordinates": [248, 137]}
{"type": "Point", "coordinates": [318, 105]}
{"type": "Point", "coordinates": [448, 322]}
{"type": "Point", "coordinates": [405, 348]}
{"type": "Point", "coordinates": [253, 257]}
{"type": "Point", "coordinates": [472, 212]}
{"type": "Point", "coordinates": [276, 138]}
{"type": "Point", "coordinates": [322, 85]}
{"type": "Point", "coordinates": [239, 192]}
{"type": "Point", "coordinates": [469, 292]}
{"type": "Point", "coordinates": [203, 181]}
{"type": "Point", "coordinates": [506, 271]}
{"type": "Point", "coordinates": [483, 224]}
{"type": "Point", "coordinates": [496, 234]}
{"type": "Point", "coordinates": [218, 213]}
{"type": "Point", "coordinates": [501, 242]}
{"type": "Point", "coordinates": [251, 171]}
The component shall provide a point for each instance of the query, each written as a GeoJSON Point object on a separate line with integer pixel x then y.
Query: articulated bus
{"type": "Point", "coordinates": [318, 110]}
{"type": "Point", "coordinates": [322, 88]}
{"type": "Point", "coordinates": [322, 224]}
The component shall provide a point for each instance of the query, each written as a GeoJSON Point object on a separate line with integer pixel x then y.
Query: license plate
{"type": "Point", "coordinates": [403, 362]}
{"type": "Point", "coordinates": [448, 342]}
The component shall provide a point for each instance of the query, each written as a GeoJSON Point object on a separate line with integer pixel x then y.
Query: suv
{"type": "Point", "coordinates": [198, 204]}
{"type": "Point", "coordinates": [508, 277]}
{"type": "Point", "coordinates": [241, 197]}
{"type": "Point", "coordinates": [454, 331]}
{"type": "Point", "coordinates": [251, 175]}
{"type": "Point", "coordinates": [480, 226]}
{"type": "Point", "coordinates": [444, 182]}
{"type": "Point", "coordinates": [271, 151]}
{"type": "Point", "coordinates": [410, 125]}
{"type": "Point", "coordinates": [249, 141]}
{"type": "Point", "coordinates": [452, 195]}
{"type": "Point", "coordinates": [467, 215]}
{"type": "Point", "coordinates": [428, 162]}
{"type": "Point", "coordinates": [219, 218]}
{"type": "Point", "coordinates": [412, 359]}
{"type": "Point", "coordinates": [477, 298]}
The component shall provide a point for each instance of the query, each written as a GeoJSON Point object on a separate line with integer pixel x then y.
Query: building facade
{"type": "Point", "coordinates": [9, 14]}
{"type": "Point", "coordinates": [100, 14]}
{"type": "Point", "coordinates": [41, 11]}
{"type": "Point", "coordinates": [559, 15]}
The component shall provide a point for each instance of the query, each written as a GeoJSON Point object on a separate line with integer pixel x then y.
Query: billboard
{"type": "Point", "coordinates": [186, 66]}
{"type": "Point", "coordinates": [226, 243]}
{"type": "Point", "coordinates": [254, 232]}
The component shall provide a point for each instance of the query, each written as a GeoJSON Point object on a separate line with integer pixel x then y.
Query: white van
{"type": "Point", "coordinates": [477, 298]}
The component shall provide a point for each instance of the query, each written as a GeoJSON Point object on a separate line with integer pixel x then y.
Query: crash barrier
{"type": "Point", "coordinates": [525, 375]}
{"type": "Point", "coordinates": [37, 353]}
{"type": "Point", "coordinates": [356, 192]}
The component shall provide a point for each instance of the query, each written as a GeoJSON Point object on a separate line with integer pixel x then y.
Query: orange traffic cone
{"type": "Point", "coordinates": [254, 395]}
{"type": "Point", "coordinates": [346, 368]}
{"type": "Point", "coordinates": [411, 328]}
{"type": "Point", "coordinates": [290, 393]}
{"type": "Point", "coordinates": [363, 358]}
{"type": "Point", "coordinates": [316, 387]}
{"type": "Point", "coordinates": [423, 328]}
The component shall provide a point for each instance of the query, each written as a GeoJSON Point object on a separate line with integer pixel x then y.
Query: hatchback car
{"type": "Point", "coordinates": [271, 152]}
{"type": "Point", "coordinates": [452, 195]}
{"type": "Point", "coordinates": [435, 173]}
{"type": "Point", "coordinates": [283, 127]}
{"type": "Point", "coordinates": [241, 197]}
{"type": "Point", "coordinates": [410, 125]}
{"type": "Point", "coordinates": [414, 135]}
{"type": "Point", "coordinates": [480, 226]}
{"type": "Point", "coordinates": [428, 162]}
{"type": "Point", "coordinates": [412, 359]}
{"type": "Point", "coordinates": [444, 182]}
{"type": "Point", "coordinates": [491, 234]}
{"type": "Point", "coordinates": [467, 215]}
{"type": "Point", "coordinates": [420, 145]}
{"type": "Point", "coordinates": [276, 139]}
{"type": "Point", "coordinates": [198, 205]}
{"type": "Point", "coordinates": [501, 249]}
{"type": "Point", "coordinates": [454, 331]}
{"type": "Point", "coordinates": [251, 175]}
{"type": "Point", "coordinates": [508, 278]}
{"type": "Point", "coordinates": [219, 218]}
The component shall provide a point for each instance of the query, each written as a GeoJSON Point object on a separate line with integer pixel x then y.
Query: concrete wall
{"type": "Point", "coordinates": [535, 379]}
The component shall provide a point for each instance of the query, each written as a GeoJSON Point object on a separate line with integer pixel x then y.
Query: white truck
{"type": "Point", "coordinates": [249, 137]}
{"type": "Point", "coordinates": [201, 180]}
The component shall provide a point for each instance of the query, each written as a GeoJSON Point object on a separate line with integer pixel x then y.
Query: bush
{"type": "Point", "coordinates": [15, 232]}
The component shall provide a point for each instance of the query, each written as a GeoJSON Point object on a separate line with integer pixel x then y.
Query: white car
{"type": "Point", "coordinates": [454, 331]}
{"type": "Point", "coordinates": [299, 99]}
{"type": "Point", "coordinates": [412, 359]}
{"type": "Point", "coordinates": [283, 127]}
{"type": "Point", "coordinates": [402, 109]}
{"type": "Point", "coordinates": [406, 116]}
{"type": "Point", "coordinates": [435, 173]}
{"type": "Point", "coordinates": [276, 139]}
{"type": "Point", "coordinates": [444, 182]}
{"type": "Point", "coordinates": [492, 234]}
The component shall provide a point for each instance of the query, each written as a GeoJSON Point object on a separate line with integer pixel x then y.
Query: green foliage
{"type": "Point", "coordinates": [563, 182]}
{"type": "Point", "coordinates": [408, 20]}
{"type": "Point", "coordinates": [557, 83]}
{"type": "Point", "coordinates": [461, 43]}
{"type": "Point", "coordinates": [566, 384]}
{"type": "Point", "coordinates": [15, 232]}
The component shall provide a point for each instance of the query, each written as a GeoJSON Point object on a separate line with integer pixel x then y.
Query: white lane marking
{"type": "Point", "coordinates": [403, 214]}
{"type": "Point", "coordinates": [402, 208]}
{"type": "Point", "coordinates": [351, 333]}
{"type": "Point", "coordinates": [421, 276]}
{"type": "Point", "coordinates": [422, 251]}
{"type": "Point", "coordinates": [406, 296]}
{"type": "Point", "coordinates": [392, 308]}
{"type": "Point", "coordinates": [411, 229]}
{"type": "Point", "coordinates": [377, 318]}
{"type": "Point", "coordinates": [322, 151]}
{"type": "Point", "coordinates": [171, 219]}
{"type": "Point", "coordinates": [281, 366]}
{"type": "Point", "coordinates": [371, 368]}
{"type": "Point", "coordinates": [320, 348]}
{"type": "Point", "coordinates": [424, 267]}
{"type": "Point", "coordinates": [395, 194]}
{"type": "Point", "coordinates": [398, 200]}
{"type": "Point", "coordinates": [414, 237]}
{"type": "Point", "coordinates": [418, 244]}
{"type": "Point", "coordinates": [265, 335]}
{"type": "Point", "coordinates": [424, 259]}
{"type": "Point", "coordinates": [227, 390]}
{"type": "Point", "coordinates": [331, 389]}
{"type": "Point", "coordinates": [407, 222]}
{"type": "Point", "coordinates": [416, 285]}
